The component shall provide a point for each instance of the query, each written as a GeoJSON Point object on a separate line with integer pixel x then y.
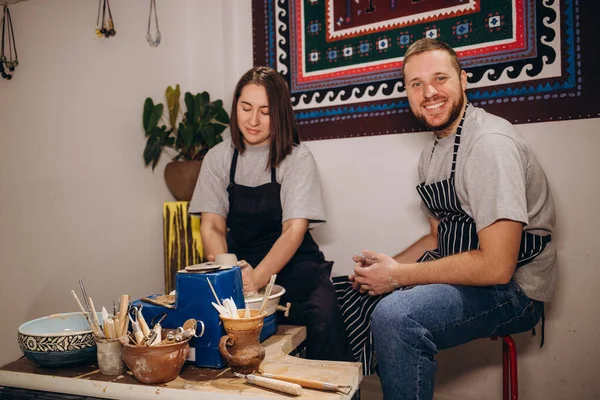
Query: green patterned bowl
{"type": "Point", "coordinates": [58, 340]}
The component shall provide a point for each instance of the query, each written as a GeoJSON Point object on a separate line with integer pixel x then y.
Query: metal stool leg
{"type": "Point", "coordinates": [505, 371]}
{"type": "Point", "coordinates": [510, 389]}
{"type": "Point", "coordinates": [512, 356]}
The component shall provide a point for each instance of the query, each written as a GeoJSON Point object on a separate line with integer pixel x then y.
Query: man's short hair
{"type": "Point", "coordinates": [425, 45]}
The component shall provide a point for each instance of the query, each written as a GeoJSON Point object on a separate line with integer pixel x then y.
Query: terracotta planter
{"type": "Point", "coordinates": [157, 364]}
{"type": "Point", "coordinates": [181, 177]}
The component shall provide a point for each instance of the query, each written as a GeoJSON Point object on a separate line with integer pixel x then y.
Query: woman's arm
{"type": "Point", "coordinates": [213, 230]}
{"type": "Point", "coordinates": [284, 248]}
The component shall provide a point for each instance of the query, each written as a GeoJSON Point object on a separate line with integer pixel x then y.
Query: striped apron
{"type": "Point", "coordinates": [457, 233]}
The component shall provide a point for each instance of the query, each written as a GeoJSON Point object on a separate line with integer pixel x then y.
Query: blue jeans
{"type": "Point", "coordinates": [410, 326]}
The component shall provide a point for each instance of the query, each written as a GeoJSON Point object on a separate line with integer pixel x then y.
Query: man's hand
{"type": "Point", "coordinates": [374, 274]}
{"type": "Point", "coordinates": [210, 258]}
{"type": "Point", "coordinates": [361, 261]}
{"type": "Point", "coordinates": [249, 278]}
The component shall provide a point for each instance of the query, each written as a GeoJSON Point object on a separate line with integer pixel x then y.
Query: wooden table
{"type": "Point", "coordinates": [193, 382]}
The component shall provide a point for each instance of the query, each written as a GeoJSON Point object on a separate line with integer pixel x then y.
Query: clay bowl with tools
{"type": "Point", "coordinates": [255, 301]}
{"type": "Point", "coordinates": [58, 340]}
{"type": "Point", "coordinates": [156, 364]}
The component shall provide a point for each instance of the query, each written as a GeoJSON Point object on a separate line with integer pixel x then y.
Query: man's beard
{"type": "Point", "coordinates": [455, 113]}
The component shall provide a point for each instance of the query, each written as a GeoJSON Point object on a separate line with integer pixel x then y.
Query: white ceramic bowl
{"type": "Point", "coordinates": [254, 302]}
{"type": "Point", "coordinates": [58, 340]}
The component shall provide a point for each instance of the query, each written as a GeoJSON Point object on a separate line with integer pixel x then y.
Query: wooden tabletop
{"type": "Point", "coordinates": [193, 382]}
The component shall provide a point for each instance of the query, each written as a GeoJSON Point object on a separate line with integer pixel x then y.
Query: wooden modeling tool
{"type": "Point", "coordinates": [87, 317]}
{"type": "Point", "coordinates": [281, 386]}
{"type": "Point", "coordinates": [268, 291]}
{"type": "Point", "coordinates": [309, 383]}
{"type": "Point", "coordinates": [212, 289]}
{"type": "Point", "coordinates": [140, 318]}
{"type": "Point", "coordinates": [158, 303]}
{"type": "Point", "coordinates": [95, 318]}
{"type": "Point", "coordinates": [123, 311]}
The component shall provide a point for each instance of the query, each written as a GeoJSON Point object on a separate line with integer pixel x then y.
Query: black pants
{"type": "Point", "coordinates": [314, 305]}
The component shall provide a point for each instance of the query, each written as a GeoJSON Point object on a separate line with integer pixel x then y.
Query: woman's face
{"type": "Point", "coordinates": [253, 115]}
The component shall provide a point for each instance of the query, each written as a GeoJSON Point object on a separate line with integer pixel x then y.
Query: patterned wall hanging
{"type": "Point", "coordinates": [527, 60]}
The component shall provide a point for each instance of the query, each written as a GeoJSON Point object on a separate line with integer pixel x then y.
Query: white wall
{"type": "Point", "coordinates": [77, 202]}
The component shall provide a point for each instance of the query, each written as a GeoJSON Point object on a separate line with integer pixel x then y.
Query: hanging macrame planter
{"type": "Point", "coordinates": [105, 25]}
{"type": "Point", "coordinates": [154, 42]}
{"type": "Point", "coordinates": [8, 49]}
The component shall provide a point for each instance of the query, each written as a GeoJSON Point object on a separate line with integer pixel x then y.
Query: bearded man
{"type": "Point", "coordinates": [488, 264]}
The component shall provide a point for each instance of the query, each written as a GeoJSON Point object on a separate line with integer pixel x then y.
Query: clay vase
{"type": "Point", "coordinates": [181, 177]}
{"type": "Point", "coordinates": [241, 347]}
{"type": "Point", "coordinates": [156, 364]}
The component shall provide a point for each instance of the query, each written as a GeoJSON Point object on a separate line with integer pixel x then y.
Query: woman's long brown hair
{"type": "Point", "coordinates": [284, 130]}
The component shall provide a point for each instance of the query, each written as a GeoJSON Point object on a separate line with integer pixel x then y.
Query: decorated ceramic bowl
{"type": "Point", "coordinates": [58, 340]}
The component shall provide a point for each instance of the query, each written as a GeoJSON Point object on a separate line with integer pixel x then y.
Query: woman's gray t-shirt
{"type": "Point", "coordinates": [298, 175]}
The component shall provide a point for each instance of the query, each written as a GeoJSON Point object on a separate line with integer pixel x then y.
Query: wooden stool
{"type": "Point", "coordinates": [510, 390]}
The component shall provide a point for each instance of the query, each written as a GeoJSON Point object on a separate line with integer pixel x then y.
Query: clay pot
{"type": "Point", "coordinates": [156, 364]}
{"type": "Point", "coordinates": [241, 346]}
{"type": "Point", "coordinates": [181, 178]}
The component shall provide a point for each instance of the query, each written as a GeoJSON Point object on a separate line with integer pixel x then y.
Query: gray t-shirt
{"type": "Point", "coordinates": [298, 175]}
{"type": "Point", "coordinates": [498, 177]}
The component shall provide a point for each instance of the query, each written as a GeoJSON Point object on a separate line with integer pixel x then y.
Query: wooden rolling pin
{"type": "Point", "coordinates": [307, 383]}
{"type": "Point", "coordinates": [280, 386]}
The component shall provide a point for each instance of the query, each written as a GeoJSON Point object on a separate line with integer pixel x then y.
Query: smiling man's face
{"type": "Point", "coordinates": [436, 91]}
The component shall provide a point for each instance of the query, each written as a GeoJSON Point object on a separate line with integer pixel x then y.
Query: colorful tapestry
{"type": "Point", "coordinates": [527, 60]}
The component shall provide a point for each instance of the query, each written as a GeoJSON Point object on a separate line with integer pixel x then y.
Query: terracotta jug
{"type": "Point", "coordinates": [241, 346]}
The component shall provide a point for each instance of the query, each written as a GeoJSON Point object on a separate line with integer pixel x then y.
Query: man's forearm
{"type": "Point", "coordinates": [416, 250]}
{"type": "Point", "coordinates": [472, 268]}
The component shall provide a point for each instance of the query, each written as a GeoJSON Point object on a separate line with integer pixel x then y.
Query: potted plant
{"type": "Point", "coordinates": [191, 137]}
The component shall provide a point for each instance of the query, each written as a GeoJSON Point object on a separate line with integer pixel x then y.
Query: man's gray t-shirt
{"type": "Point", "coordinates": [298, 175]}
{"type": "Point", "coordinates": [498, 177]}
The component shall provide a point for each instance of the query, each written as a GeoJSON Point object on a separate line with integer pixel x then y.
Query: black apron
{"type": "Point", "coordinates": [254, 223]}
{"type": "Point", "coordinates": [457, 232]}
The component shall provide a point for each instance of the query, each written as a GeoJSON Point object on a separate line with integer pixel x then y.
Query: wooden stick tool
{"type": "Point", "coordinates": [309, 383]}
{"type": "Point", "coordinates": [267, 294]}
{"type": "Point", "coordinates": [85, 314]}
{"type": "Point", "coordinates": [280, 386]}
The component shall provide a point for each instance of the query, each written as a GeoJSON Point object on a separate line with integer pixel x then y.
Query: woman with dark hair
{"type": "Point", "coordinates": [257, 194]}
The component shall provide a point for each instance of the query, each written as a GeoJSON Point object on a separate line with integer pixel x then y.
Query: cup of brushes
{"type": "Point", "coordinates": [106, 336]}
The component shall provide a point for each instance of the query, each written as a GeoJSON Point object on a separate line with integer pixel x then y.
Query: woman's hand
{"type": "Point", "coordinates": [249, 278]}
{"type": "Point", "coordinates": [374, 274]}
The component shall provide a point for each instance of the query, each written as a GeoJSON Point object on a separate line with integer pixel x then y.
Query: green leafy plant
{"type": "Point", "coordinates": [198, 130]}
